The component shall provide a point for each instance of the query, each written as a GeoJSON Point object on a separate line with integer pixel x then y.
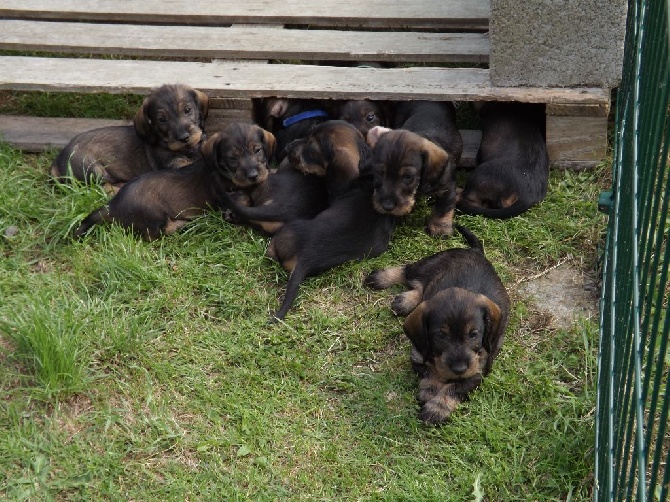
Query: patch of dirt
{"type": "Point", "coordinates": [564, 292]}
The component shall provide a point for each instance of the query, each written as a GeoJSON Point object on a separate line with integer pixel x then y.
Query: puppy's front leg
{"type": "Point", "coordinates": [442, 220]}
{"type": "Point", "coordinates": [437, 409]}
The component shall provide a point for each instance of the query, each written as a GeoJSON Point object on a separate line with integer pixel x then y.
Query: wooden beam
{"type": "Point", "coordinates": [396, 14]}
{"type": "Point", "coordinates": [242, 42]}
{"type": "Point", "coordinates": [245, 80]}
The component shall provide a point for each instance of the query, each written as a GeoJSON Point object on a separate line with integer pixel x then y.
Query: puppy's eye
{"type": "Point", "coordinates": [258, 150]}
{"type": "Point", "coordinates": [474, 334]}
{"type": "Point", "coordinates": [162, 119]}
{"type": "Point", "coordinates": [370, 117]}
{"type": "Point", "coordinates": [187, 110]}
{"type": "Point", "coordinates": [407, 178]}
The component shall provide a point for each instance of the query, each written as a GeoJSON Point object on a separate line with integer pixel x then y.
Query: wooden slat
{"type": "Point", "coordinates": [242, 42]}
{"type": "Point", "coordinates": [35, 134]}
{"type": "Point", "coordinates": [443, 14]}
{"type": "Point", "coordinates": [245, 80]}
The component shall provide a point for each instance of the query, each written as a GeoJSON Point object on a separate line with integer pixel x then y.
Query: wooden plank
{"type": "Point", "coordinates": [576, 139]}
{"type": "Point", "coordinates": [36, 134]}
{"type": "Point", "coordinates": [242, 42]}
{"type": "Point", "coordinates": [244, 80]}
{"type": "Point", "coordinates": [397, 14]}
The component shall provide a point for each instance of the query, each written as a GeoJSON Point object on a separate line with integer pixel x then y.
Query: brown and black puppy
{"type": "Point", "coordinates": [364, 114]}
{"type": "Point", "coordinates": [457, 310]}
{"type": "Point", "coordinates": [350, 229]}
{"type": "Point", "coordinates": [288, 119]}
{"type": "Point", "coordinates": [512, 169]}
{"type": "Point", "coordinates": [317, 168]}
{"type": "Point", "coordinates": [159, 203]}
{"type": "Point", "coordinates": [167, 133]}
{"type": "Point", "coordinates": [419, 159]}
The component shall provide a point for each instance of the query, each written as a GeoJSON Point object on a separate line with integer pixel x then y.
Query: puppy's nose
{"type": "Point", "coordinates": [388, 205]}
{"type": "Point", "coordinates": [252, 175]}
{"type": "Point", "coordinates": [459, 367]}
{"type": "Point", "coordinates": [184, 136]}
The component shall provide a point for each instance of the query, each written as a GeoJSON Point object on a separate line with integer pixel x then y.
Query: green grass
{"type": "Point", "coordinates": [147, 371]}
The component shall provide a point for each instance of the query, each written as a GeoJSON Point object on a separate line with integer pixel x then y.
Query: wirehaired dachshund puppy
{"type": "Point", "coordinates": [350, 229]}
{"type": "Point", "coordinates": [288, 119]}
{"type": "Point", "coordinates": [512, 169]}
{"type": "Point", "coordinates": [419, 159]}
{"type": "Point", "coordinates": [159, 203]}
{"type": "Point", "coordinates": [364, 114]}
{"type": "Point", "coordinates": [167, 132]}
{"type": "Point", "coordinates": [318, 168]}
{"type": "Point", "coordinates": [457, 310]}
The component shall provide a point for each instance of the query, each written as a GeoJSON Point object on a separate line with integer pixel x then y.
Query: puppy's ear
{"type": "Point", "coordinates": [434, 162]}
{"type": "Point", "coordinates": [415, 329]}
{"type": "Point", "coordinates": [202, 100]}
{"type": "Point", "coordinates": [143, 124]}
{"type": "Point", "coordinates": [493, 335]}
{"type": "Point", "coordinates": [374, 134]}
{"type": "Point", "coordinates": [270, 142]}
{"type": "Point", "coordinates": [210, 152]}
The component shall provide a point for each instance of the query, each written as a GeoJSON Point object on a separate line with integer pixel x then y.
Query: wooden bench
{"type": "Point", "coordinates": [262, 48]}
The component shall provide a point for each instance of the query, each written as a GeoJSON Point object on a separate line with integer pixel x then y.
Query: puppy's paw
{"type": "Point", "coordinates": [382, 279]}
{"type": "Point", "coordinates": [404, 303]}
{"type": "Point", "coordinates": [438, 228]}
{"type": "Point", "coordinates": [428, 389]}
{"type": "Point", "coordinates": [374, 134]}
{"type": "Point", "coordinates": [434, 413]}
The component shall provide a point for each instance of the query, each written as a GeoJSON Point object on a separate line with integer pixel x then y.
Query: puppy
{"type": "Point", "coordinates": [334, 152]}
{"type": "Point", "coordinates": [457, 310]}
{"type": "Point", "coordinates": [288, 119]}
{"type": "Point", "coordinates": [364, 114]}
{"type": "Point", "coordinates": [419, 159]}
{"type": "Point", "coordinates": [161, 202]}
{"type": "Point", "coordinates": [167, 133]}
{"type": "Point", "coordinates": [512, 169]}
{"type": "Point", "coordinates": [350, 229]}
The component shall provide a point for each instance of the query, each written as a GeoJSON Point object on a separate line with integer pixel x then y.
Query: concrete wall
{"type": "Point", "coordinates": [557, 43]}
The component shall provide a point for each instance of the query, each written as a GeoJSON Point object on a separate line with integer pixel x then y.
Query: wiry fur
{"type": "Point", "coordinates": [167, 133]}
{"type": "Point", "coordinates": [457, 310]}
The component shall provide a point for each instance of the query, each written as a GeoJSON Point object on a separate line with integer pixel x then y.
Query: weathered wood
{"type": "Point", "coordinates": [397, 14]}
{"type": "Point", "coordinates": [35, 134]}
{"type": "Point", "coordinates": [576, 139]}
{"type": "Point", "coordinates": [244, 80]}
{"type": "Point", "coordinates": [600, 110]}
{"type": "Point", "coordinates": [242, 42]}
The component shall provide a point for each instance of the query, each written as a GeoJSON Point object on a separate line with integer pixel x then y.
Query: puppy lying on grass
{"type": "Point", "coordinates": [167, 132]}
{"type": "Point", "coordinates": [161, 202]}
{"type": "Point", "coordinates": [457, 311]}
{"type": "Point", "coordinates": [512, 169]}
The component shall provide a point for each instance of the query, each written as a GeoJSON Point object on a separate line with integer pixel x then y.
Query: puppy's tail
{"type": "Point", "coordinates": [470, 238]}
{"type": "Point", "coordinates": [99, 215]}
{"type": "Point", "coordinates": [515, 209]}
{"type": "Point", "coordinates": [297, 276]}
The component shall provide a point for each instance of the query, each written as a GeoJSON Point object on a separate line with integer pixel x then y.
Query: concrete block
{"type": "Point", "coordinates": [557, 43]}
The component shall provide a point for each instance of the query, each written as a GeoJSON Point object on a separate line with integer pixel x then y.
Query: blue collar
{"type": "Point", "coordinates": [303, 116]}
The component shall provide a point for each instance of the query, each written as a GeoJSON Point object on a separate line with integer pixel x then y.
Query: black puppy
{"type": "Point", "coordinates": [512, 170]}
{"type": "Point", "coordinates": [288, 119]}
{"type": "Point", "coordinates": [161, 202]}
{"type": "Point", "coordinates": [334, 151]}
{"type": "Point", "coordinates": [419, 159]}
{"type": "Point", "coordinates": [457, 310]}
{"type": "Point", "coordinates": [167, 133]}
{"type": "Point", "coordinates": [350, 229]}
